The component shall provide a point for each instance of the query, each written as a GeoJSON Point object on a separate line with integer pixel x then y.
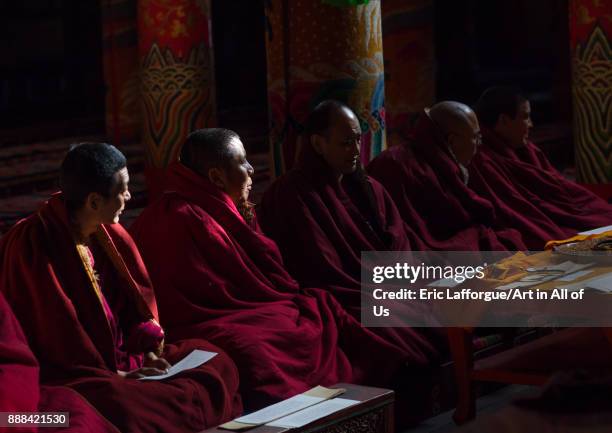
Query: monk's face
{"type": "Point", "coordinates": [515, 131]}
{"type": "Point", "coordinates": [340, 146]}
{"type": "Point", "coordinates": [235, 178]}
{"type": "Point", "coordinates": [465, 138]}
{"type": "Point", "coordinates": [108, 209]}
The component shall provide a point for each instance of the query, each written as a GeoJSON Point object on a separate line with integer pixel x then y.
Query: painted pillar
{"type": "Point", "coordinates": [177, 78]}
{"type": "Point", "coordinates": [591, 54]}
{"type": "Point", "coordinates": [317, 50]}
{"type": "Point", "coordinates": [410, 68]}
{"type": "Point", "coordinates": [120, 58]}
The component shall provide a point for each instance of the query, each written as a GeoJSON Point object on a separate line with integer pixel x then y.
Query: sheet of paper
{"type": "Point", "coordinates": [279, 410]}
{"type": "Point", "coordinates": [561, 268]}
{"type": "Point", "coordinates": [542, 274]}
{"type": "Point", "coordinates": [313, 413]}
{"type": "Point", "coordinates": [596, 231]}
{"type": "Point", "coordinates": [193, 360]}
{"type": "Point", "coordinates": [602, 283]}
{"type": "Point", "coordinates": [573, 276]}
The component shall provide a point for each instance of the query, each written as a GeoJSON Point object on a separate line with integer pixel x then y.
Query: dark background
{"type": "Point", "coordinates": [51, 61]}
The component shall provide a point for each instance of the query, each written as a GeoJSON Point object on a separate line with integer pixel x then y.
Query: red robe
{"type": "Point", "coordinates": [54, 296]}
{"type": "Point", "coordinates": [225, 280]}
{"type": "Point", "coordinates": [510, 178]}
{"type": "Point", "coordinates": [428, 189]}
{"type": "Point", "coordinates": [20, 390]}
{"type": "Point", "coordinates": [322, 226]}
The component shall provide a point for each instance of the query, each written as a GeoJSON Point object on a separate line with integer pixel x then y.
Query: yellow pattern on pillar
{"type": "Point", "coordinates": [591, 31]}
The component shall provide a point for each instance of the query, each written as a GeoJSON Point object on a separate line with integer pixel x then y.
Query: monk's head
{"type": "Point", "coordinates": [507, 112]}
{"type": "Point", "coordinates": [218, 155]}
{"type": "Point", "coordinates": [94, 182]}
{"type": "Point", "coordinates": [335, 134]}
{"type": "Point", "coordinates": [459, 125]}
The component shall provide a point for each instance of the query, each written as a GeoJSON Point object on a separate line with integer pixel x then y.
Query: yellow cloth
{"type": "Point", "coordinates": [551, 244]}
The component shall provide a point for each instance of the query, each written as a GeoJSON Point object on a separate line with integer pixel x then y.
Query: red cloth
{"type": "Point", "coordinates": [309, 214]}
{"type": "Point", "coordinates": [428, 189]}
{"type": "Point", "coordinates": [226, 281]}
{"type": "Point", "coordinates": [524, 180]}
{"type": "Point", "coordinates": [44, 279]}
{"type": "Point", "coordinates": [20, 390]}
{"type": "Point", "coordinates": [321, 225]}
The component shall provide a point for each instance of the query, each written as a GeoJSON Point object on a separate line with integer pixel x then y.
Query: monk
{"type": "Point", "coordinates": [510, 169]}
{"type": "Point", "coordinates": [427, 177]}
{"type": "Point", "coordinates": [327, 209]}
{"type": "Point", "coordinates": [79, 288]}
{"type": "Point", "coordinates": [20, 390]}
{"type": "Point", "coordinates": [225, 280]}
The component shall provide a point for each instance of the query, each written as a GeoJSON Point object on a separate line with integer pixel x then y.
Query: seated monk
{"type": "Point", "coordinates": [20, 390]}
{"type": "Point", "coordinates": [327, 209]}
{"type": "Point", "coordinates": [427, 177]}
{"type": "Point", "coordinates": [79, 288]}
{"type": "Point", "coordinates": [510, 169]}
{"type": "Point", "coordinates": [225, 281]}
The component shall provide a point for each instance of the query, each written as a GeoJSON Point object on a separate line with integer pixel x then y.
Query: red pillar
{"type": "Point", "coordinates": [120, 58]}
{"type": "Point", "coordinates": [410, 69]}
{"type": "Point", "coordinates": [177, 78]}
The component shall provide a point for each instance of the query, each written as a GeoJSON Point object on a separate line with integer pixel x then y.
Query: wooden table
{"type": "Point", "coordinates": [373, 415]}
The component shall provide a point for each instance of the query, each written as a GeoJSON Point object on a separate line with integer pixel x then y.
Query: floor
{"type": "Point", "coordinates": [443, 423]}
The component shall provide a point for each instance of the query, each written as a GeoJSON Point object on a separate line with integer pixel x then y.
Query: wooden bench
{"type": "Point", "coordinates": [373, 415]}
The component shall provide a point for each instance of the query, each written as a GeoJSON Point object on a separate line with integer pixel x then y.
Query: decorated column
{"type": "Point", "coordinates": [177, 78]}
{"type": "Point", "coordinates": [410, 70]}
{"type": "Point", "coordinates": [321, 49]}
{"type": "Point", "coordinates": [120, 57]}
{"type": "Point", "coordinates": [591, 50]}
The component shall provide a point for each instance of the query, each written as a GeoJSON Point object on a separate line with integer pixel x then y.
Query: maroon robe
{"type": "Point", "coordinates": [432, 198]}
{"type": "Point", "coordinates": [322, 225]}
{"type": "Point", "coordinates": [226, 281]}
{"type": "Point", "coordinates": [52, 292]}
{"type": "Point", "coordinates": [20, 390]}
{"type": "Point", "coordinates": [512, 177]}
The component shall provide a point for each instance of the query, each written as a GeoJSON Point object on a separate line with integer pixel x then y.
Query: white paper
{"type": "Point", "coordinates": [313, 413]}
{"type": "Point", "coordinates": [566, 271]}
{"type": "Point", "coordinates": [574, 276]}
{"type": "Point", "coordinates": [596, 231]}
{"type": "Point", "coordinates": [193, 360]}
{"type": "Point", "coordinates": [280, 409]}
{"type": "Point", "coordinates": [562, 268]}
{"type": "Point", "coordinates": [602, 283]}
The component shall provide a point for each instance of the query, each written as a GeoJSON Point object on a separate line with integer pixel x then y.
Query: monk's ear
{"type": "Point", "coordinates": [502, 121]}
{"type": "Point", "coordinates": [317, 142]}
{"type": "Point", "coordinates": [217, 177]}
{"type": "Point", "coordinates": [93, 202]}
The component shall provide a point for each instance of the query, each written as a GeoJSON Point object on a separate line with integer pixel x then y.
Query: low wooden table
{"type": "Point", "coordinates": [373, 415]}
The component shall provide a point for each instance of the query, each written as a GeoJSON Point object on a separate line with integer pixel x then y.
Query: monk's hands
{"type": "Point", "coordinates": [151, 360]}
{"type": "Point", "coordinates": [152, 366]}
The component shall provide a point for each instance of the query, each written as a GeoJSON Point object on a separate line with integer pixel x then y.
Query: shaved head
{"type": "Point", "coordinates": [334, 132]}
{"type": "Point", "coordinates": [459, 124]}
